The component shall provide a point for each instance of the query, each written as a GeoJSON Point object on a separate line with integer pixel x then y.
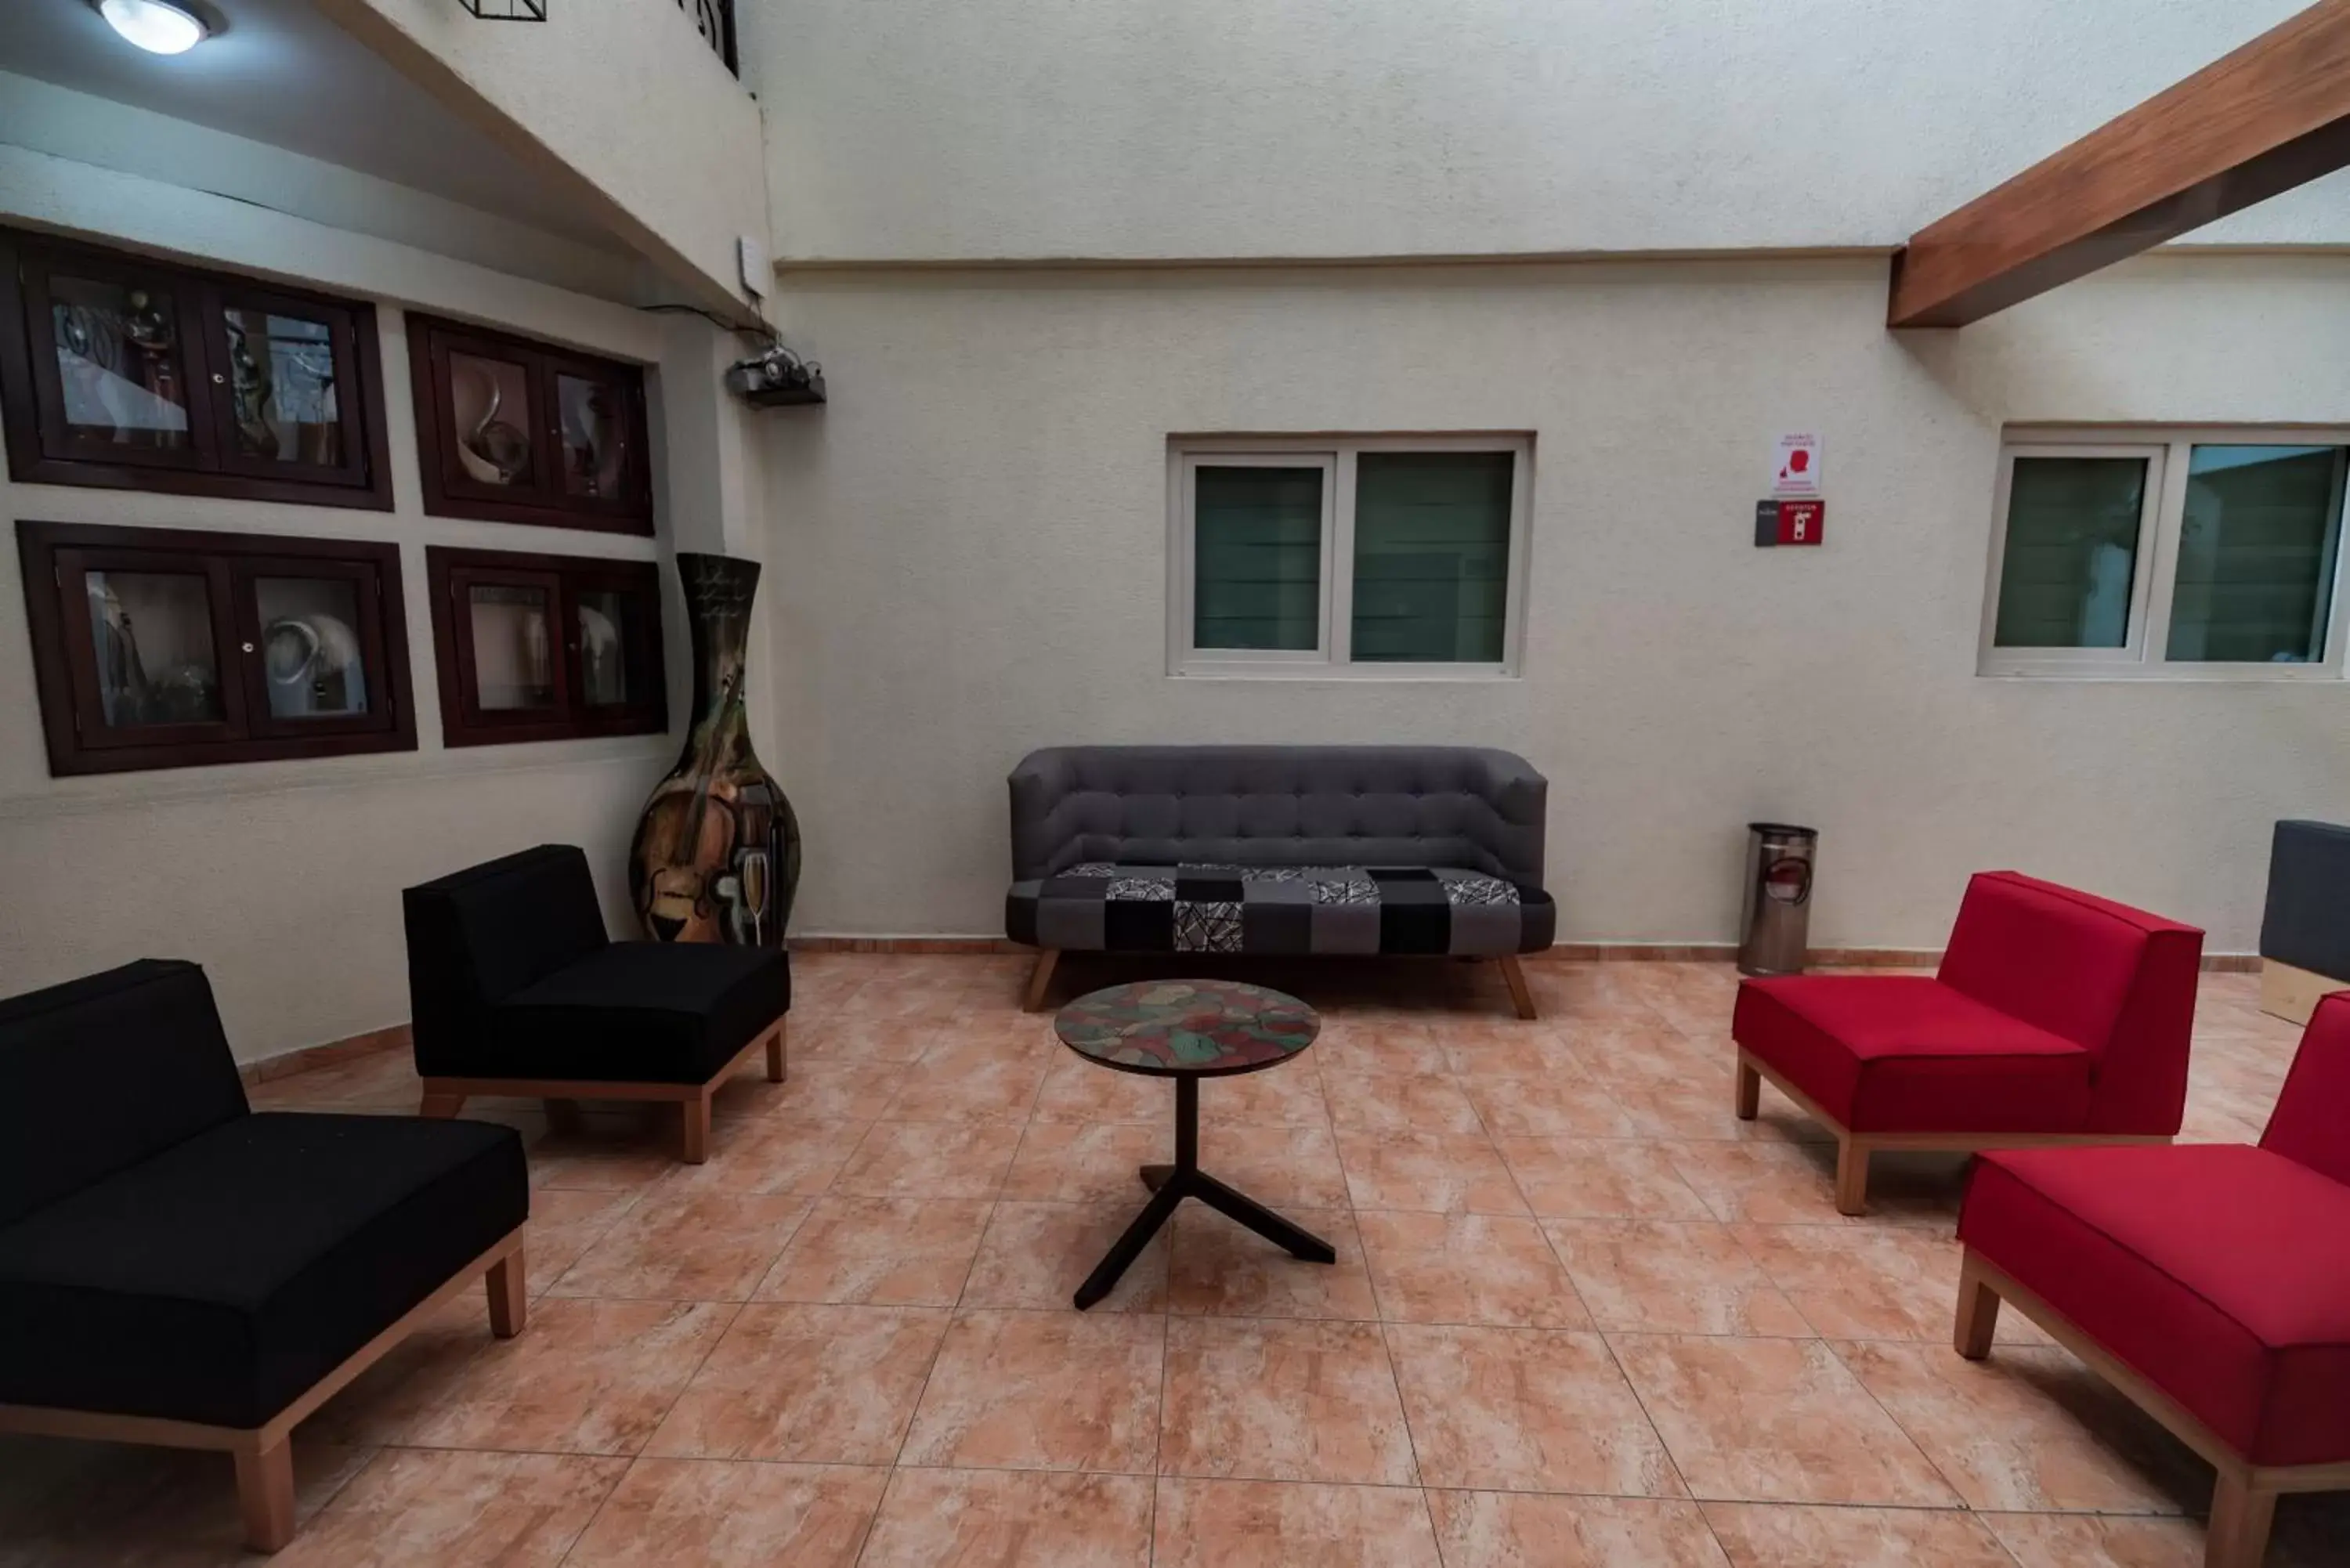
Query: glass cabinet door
{"type": "Point", "coordinates": [511, 666]}
{"type": "Point", "coordinates": [488, 415]}
{"type": "Point", "coordinates": [594, 441]}
{"type": "Point", "coordinates": [112, 361]}
{"type": "Point", "coordinates": [616, 652]}
{"type": "Point", "coordinates": [148, 648]}
{"type": "Point", "coordinates": [286, 388]}
{"type": "Point", "coordinates": [311, 635]}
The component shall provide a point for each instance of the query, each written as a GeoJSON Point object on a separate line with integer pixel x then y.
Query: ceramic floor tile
{"type": "Point", "coordinates": [819, 1385]}
{"type": "Point", "coordinates": [2029, 1431]}
{"type": "Point", "coordinates": [70, 1504]}
{"type": "Point", "coordinates": [1100, 1162]}
{"type": "Point", "coordinates": [1703, 1109]}
{"type": "Point", "coordinates": [1518, 1530]}
{"type": "Point", "coordinates": [1291, 1094]}
{"type": "Point", "coordinates": [1525, 1410]}
{"type": "Point", "coordinates": [772, 1156]}
{"type": "Point", "coordinates": [1037, 1254]}
{"type": "Point", "coordinates": [889, 1252]}
{"type": "Point", "coordinates": [1494, 1269]}
{"type": "Point", "coordinates": [1761, 1535]}
{"type": "Point", "coordinates": [701, 1514]}
{"type": "Point", "coordinates": [604, 1158]}
{"type": "Point", "coordinates": [1670, 1277]}
{"type": "Point", "coordinates": [1011, 1519]}
{"type": "Point", "coordinates": [1076, 1091]}
{"type": "Point", "coordinates": [1777, 1183]}
{"type": "Point", "coordinates": [862, 1036]}
{"type": "Point", "coordinates": [687, 1244]}
{"type": "Point", "coordinates": [837, 1091]}
{"type": "Point", "coordinates": [1774, 1420]}
{"type": "Point", "coordinates": [1219, 1268]}
{"type": "Point", "coordinates": [1348, 1046]}
{"type": "Point", "coordinates": [1598, 1178]}
{"type": "Point", "coordinates": [970, 1083]}
{"type": "Point", "coordinates": [563, 1223]}
{"type": "Point", "coordinates": [1882, 1282]}
{"type": "Point", "coordinates": [586, 1376]}
{"type": "Point", "coordinates": [1043, 1390]}
{"type": "Point", "coordinates": [1395, 1102]}
{"type": "Point", "coordinates": [1291, 1525]}
{"type": "Point", "coordinates": [1282, 1400]}
{"type": "Point", "coordinates": [1284, 1168]}
{"type": "Point", "coordinates": [2089, 1541]}
{"type": "Point", "coordinates": [930, 1159]}
{"type": "Point", "coordinates": [1429, 1172]}
{"type": "Point", "coordinates": [1560, 1106]}
{"type": "Point", "coordinates": [413, 1509]}
{"type": "Point", "coordinates": [1490, 1049]}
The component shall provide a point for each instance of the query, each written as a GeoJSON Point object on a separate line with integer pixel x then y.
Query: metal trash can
{"type": "Point", "coordinates": [1775, 925]}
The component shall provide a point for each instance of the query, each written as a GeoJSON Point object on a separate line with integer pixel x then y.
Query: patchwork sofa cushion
{"type": "Point", "coordinates": [2219, 1271]}
{"type": "Point", "coordinates": [217, 1281]}
{"type": "Point", "coordinates": [1108, 906]}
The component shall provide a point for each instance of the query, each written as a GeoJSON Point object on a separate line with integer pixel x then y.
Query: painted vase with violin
{"type": "Point", "coordinates": [717, 852]}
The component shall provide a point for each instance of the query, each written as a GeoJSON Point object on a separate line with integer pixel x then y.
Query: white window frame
{"type": "Point", "coordinates": [1331, 657]}
{"type": "Point", "coordinates": [2144, 654]}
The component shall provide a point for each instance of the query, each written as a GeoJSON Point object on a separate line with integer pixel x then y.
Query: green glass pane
{"type": "Point", "coordinates": [2256, 551]}
{"type": "Point", "coordinates": [2072, 552]}
{"type": "Point", "coordinates": [1431, 556]}
{"type": "Point", "coordinates": [1256, 562]}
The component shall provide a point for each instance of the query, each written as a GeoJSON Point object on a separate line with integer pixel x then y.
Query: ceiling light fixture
{"type": "Point", "coordinates": [155, 26]}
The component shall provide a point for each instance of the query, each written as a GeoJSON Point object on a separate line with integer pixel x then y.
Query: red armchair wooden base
{"type": "Point", "coordinates": [1852, 1149]}
{"type": "Point", "coordinates": [2056, 1017]}
{"type": "Point", "coordinates": [2243, 1500]}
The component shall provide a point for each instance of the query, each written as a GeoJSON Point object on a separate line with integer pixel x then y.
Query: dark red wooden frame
{"type": "Point", "coordinates": [32, 413]}
{"type": "Point", "coordinates": [451, 492]}
{"type": "Point", "coordinates": [54, 555]}
{"type": "Point", "coordinates": [451, 573]}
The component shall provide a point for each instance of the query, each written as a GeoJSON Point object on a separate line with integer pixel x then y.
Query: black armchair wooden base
{"type": "Point", "coordinates": [265, 1454]}
{"type": "Point", "coordinates": [447, 1096]}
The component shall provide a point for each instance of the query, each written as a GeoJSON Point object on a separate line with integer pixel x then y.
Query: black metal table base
{"type": "Point", "coordinates": [1170, 1184]}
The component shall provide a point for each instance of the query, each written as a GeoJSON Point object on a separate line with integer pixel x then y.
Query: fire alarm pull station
{"type": "Point", "coordinates": [1789, 522]}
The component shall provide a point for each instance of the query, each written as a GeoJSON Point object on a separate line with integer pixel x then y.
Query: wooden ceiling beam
{"type": "Point", "coordinates": [2272, 114]}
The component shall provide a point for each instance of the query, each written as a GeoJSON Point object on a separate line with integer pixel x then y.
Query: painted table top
{"type": "Point", "coordinates": [1170, 1028]}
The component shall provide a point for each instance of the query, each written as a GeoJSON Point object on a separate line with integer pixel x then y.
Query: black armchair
{"type": "Point", "coordinates": [177, 1269]}
{"type": "Point", "coordinates": [517, 990]}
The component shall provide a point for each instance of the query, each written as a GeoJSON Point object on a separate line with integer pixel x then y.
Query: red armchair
{"type": "Point", "coordinates": [2210, 1283]}
{"type": "Point", "coordinates": [2056, 1017]}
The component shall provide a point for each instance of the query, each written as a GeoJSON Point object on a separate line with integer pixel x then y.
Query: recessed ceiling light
{"type": "Point", "coordinates": [155, 26]}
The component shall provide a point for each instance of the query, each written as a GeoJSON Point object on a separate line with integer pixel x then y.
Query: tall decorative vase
{"type": "Point", "coordinates": [717, 852]}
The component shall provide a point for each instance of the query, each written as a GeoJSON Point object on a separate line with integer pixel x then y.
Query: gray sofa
{"type": "Point", "coordinates": [1279, 850]}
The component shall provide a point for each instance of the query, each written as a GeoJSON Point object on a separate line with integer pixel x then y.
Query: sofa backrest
{"type": "Point", "coordinates": [2311, 1123]}
{"type": "Point", "coordinates": [2117, 981]}
{"type": "Point", "coordinates": [102, 1073]}
{"type": "Point", "coordinates": [1278, 805]}
{"type": "Point", "coordinates": [477, 936]}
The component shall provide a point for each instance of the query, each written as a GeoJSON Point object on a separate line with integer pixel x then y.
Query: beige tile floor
{"type": "Point", "coordinates": [1581, 1316]}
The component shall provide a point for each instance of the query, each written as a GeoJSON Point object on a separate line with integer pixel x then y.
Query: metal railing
{"type": "Point", "coordinates": [714, 19]}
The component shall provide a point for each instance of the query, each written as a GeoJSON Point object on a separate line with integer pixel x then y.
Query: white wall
{"type": "Point", "coordinates": [621, 96]}
{"type": "Point", "coordinates": [969, 548]}
{"type": "Point", "coordinates": [973, 128]}
{"type": "Point", "coordinates": [284, 878]}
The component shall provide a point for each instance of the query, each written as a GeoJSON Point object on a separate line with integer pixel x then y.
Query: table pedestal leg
{"type": "Point", "coordinates": [1170, 1184]}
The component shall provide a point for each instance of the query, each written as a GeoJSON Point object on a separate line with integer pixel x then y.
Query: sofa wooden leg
{"type": "Point", "coordinates": [509, 1296]}
{"type": "Point", "coordinates": [776, 1053]}
{"type": "Point", "coordinates": [2240, 1517]}
{"type": "Point", "coordinates": [1852, 1176]}
{"type": "Point", "coordinates": [697, 1128]}
{"type": "Point", "coordinates": [439, 1106]}
{"type": "Point", "coordinates": [1040, 977]}
{"type": "Point", "coordinates": [1514, 975]}
{"type": "Point", "coordinates": [1749, 1091]}
{"type": "Point", "coordinates": [1978, 1312]}
{"type": "Point", "coordinates": [264, 1494]}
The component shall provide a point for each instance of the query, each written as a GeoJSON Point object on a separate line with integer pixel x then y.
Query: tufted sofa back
{"type": "Point", "coordinates": [1278, 805]}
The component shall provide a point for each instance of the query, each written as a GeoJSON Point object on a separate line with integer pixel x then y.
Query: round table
{"type": "Point", "coordinates": [1188, 1030]}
